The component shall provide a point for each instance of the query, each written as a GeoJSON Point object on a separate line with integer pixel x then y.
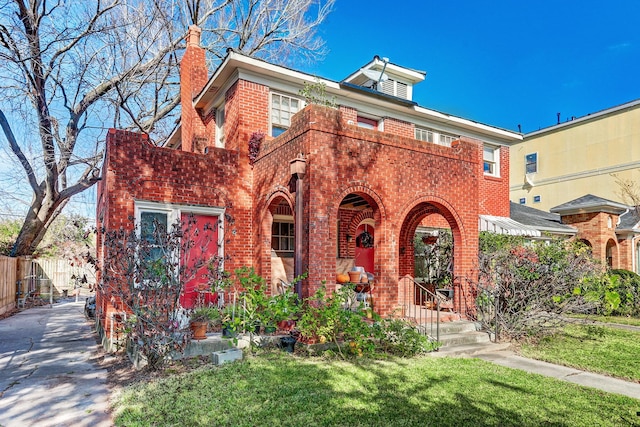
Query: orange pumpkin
{"type": "Point", "coordinates": [342, 278]}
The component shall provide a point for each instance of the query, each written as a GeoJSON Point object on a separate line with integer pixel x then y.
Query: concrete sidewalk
{"type": "Point", "coordinates": [49, 372]}
{"type": "Point", "coordinates": [602, 382]}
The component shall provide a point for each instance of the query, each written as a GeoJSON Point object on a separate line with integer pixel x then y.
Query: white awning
{"type": "Point", "coordinates": [503, 225]}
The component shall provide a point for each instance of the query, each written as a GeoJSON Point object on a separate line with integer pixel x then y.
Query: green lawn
{"type": "Point", "coordinates": [622, 320]}
{"type": "Point", "coordinates": [281, 390]}
{"type": "Point", "coordinates": [604, 350]}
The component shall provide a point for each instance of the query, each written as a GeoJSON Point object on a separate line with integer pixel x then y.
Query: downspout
{"type": "Point", "coordinates": [298, 167]}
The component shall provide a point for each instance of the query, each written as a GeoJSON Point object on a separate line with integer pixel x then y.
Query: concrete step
{"type": "Point", "coordinates": [464, 338]}
{"type": "Point", "coordinates": [469, 350]}
{"type": "Point", "coordinates": [458, 327]}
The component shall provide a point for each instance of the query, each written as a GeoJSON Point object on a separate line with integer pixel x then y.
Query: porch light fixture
{"type": "Point", "coordinates": [298, 166]}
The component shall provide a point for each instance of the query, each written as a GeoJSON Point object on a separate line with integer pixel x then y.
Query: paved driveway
{"type": "Point", "coordinates": [49, 375]}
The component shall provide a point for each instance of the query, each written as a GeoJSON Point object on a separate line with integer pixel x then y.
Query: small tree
{"type": "Point", "coordinates": [145, 269]}
{"type": "Point", "coordinates": [434, 257]}
{"type": "Point", "coordinates": [529, 290]}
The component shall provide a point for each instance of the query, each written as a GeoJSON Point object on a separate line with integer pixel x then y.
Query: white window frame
{"type": "Point", "coordinates": [494, 164]}
{"type": "Point", "coordinates": [174, 212]}
{"type": "Point", "coordinates": [220, 119]}
{"type": "Point", "coordinates": [277, 123]}
{"type": "Point", "coordinates": [527, 163]}
{"type": "Point", "coordinates": [433, 136]}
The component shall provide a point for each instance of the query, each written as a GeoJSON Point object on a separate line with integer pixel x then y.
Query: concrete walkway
{"type": "Point", "coordinates": [612, 385]}
{"type": "Point", "coordinates": [49, 373]}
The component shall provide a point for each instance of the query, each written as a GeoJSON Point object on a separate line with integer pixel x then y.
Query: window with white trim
{"type": "Point", "coordinates": [531, 163]}
{"type": "Point", "coordinates": [220, 126]}
{"type": "Point", "coordinates": [283, 107]}
{"type": "Point", "coordinates": [367, 123]}
{"type": "Point", "coordinates": [491, 158]}
{"type": "Point", "coordinates": [430, 135]}
{"type": "Point", "coordinates": [446, 140]}
{"type": "Point", "coordinates": [155, 221]}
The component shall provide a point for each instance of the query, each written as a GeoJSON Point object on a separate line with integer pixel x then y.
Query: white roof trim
{"type": "Point", "coordinates": [504, 225]}
{"type": "Point", "coordinates": [590, 116]}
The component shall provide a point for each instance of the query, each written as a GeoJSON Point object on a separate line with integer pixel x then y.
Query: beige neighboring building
{"type": "Point", "coordinates": [569, 160]}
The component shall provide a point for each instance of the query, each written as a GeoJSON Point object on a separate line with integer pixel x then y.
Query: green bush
{"type": "Point", "coordinates": [621, 294]}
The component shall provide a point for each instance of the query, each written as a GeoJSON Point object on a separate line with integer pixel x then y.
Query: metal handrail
{"type": "Point", "coordinates": [421, 305]}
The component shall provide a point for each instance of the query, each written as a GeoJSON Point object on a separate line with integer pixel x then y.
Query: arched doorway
{"type": "Point", "coordinates": [357, 223]}
{"type": "Point", "coordinates": [282, 243]}
{"type": "Point", "coordinates": [610, 253]}
{"type": "Point", "coordinates": [425, 226]}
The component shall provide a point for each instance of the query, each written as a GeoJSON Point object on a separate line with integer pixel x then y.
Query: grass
{"type": "Point", "coordinates": [621, 320]}
{"type": "Point", "coordinates": [604, 350]}
{"type": "Point", "coordinates": [275, 389]}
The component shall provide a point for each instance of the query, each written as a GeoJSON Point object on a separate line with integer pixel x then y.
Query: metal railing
{"type": "Point", "coordinates": [421, 306]}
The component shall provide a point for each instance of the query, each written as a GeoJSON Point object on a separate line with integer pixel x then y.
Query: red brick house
{"type": "Point", "coordinates": [377, 163]}
{"type": "Point", "coordinates": [609, 228]}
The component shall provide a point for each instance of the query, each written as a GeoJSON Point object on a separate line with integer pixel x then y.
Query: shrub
{"type": "Point", "coordinates": [528, 290]}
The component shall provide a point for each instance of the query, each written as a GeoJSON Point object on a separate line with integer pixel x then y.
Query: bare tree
{"type": "Point", "coordinates": [70, 70]}
{"type": "Point", "coordinates": [629, 191]}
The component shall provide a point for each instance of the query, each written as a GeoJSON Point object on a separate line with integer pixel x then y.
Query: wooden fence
{"type": "Point", "coordinates": [8, 272]}
{"type": "Point", "coordinates": [23, 277]}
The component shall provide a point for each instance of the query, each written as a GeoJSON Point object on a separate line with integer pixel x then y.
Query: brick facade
{"type": "Point", "coordinates": [597, 229]}
{"type": "Point", "coordinates": [404, 182]}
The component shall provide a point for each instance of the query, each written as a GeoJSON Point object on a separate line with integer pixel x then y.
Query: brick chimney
{"type": "Point", "coordinates": [193, 77]}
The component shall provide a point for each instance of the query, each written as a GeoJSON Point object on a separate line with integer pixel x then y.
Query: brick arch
{"type": "Point", "coordinates": [611, 253]}
{"type": "Point", "coordinates": [357, 220]}
{"type": "Point", "coordinates": [376, 212]}
{"type": "Point", "coordinates": [266, 221]}
{"type": "Point", "coordinates": [362, 189]}
{"type": "Point", "coordinates": [412, 215]}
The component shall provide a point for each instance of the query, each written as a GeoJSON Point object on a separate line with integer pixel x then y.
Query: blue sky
{"type": "Point", "coordinates": [497, 62]}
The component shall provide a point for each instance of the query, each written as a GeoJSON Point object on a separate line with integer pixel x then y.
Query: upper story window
{"type": "Point", "coordinates": [491, 158]}
{"type": "Point", "coordinates": [220, 126]}
{"type": "Point", "coordinates": [531, 163]}
{"type": "Point", "coordinates": [283, 107]}
{"type": "Point", "coordinates": [424, 135]}
{"type": "Point", "coordinates": [446, 140]}
{"type": "Point", "coordinates": [428, 135]}
{"type": "Point", "coordinates": [367, 123]}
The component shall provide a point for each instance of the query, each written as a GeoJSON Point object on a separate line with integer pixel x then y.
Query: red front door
{"type": "Point", "coordinates": [203, 247]}
{"type": "Point", "coordinates": [364, 252]}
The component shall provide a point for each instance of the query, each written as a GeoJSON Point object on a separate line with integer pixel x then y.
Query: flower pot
{"type": "Point", "coordinates": [286, 325]}
{"type": "Point", "coordinates": [354, 276]}
{"type": "Point", "coordinates": [288, 343]}
{"type": "Point", "coordinates": [228, 332]}
{"type": "Point", "coordinates": [199, 330]}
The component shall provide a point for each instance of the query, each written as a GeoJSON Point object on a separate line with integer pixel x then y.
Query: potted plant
{"type": "Point", "coordinates": [231, 322]}
{"type": "Point", "coordinates": [201, 318]}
